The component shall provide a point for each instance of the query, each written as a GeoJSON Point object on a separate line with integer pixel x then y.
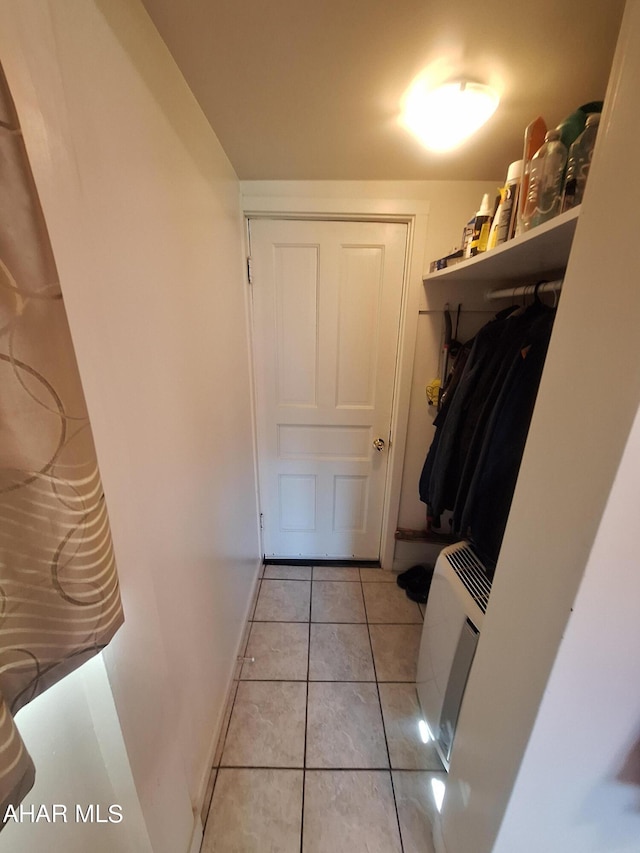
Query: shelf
{"type": "Point", "coordinates": [540, 252]}
{"type": "Point", "coordinates": [432, 536]}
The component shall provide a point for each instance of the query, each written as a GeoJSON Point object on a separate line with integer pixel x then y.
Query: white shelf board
{"type": "Point", "coordinates": [543, 250]}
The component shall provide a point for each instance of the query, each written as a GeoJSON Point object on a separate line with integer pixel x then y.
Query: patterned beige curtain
{"type": "Point", "coordinates": [59, 596]}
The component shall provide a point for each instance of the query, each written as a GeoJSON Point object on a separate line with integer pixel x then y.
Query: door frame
{"type": "Point", "coordinates": [412, 212]}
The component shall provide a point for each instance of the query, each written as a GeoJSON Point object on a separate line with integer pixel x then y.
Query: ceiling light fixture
{"type": "Point", "coordinates": [444, 117]}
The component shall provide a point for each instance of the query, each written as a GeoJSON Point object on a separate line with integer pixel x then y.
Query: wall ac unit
{"type": "Point", "coordinates": [455, 610]}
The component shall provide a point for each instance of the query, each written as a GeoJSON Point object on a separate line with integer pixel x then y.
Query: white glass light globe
{"type": "Point", "coordinates": [445, 117]}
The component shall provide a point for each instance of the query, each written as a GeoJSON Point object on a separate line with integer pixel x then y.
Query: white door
{"type": "Point", "coordinates": [326, 310]}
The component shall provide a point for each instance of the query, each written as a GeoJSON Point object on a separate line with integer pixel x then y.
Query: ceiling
{"type": "Point", "coordinates": [303, 90]}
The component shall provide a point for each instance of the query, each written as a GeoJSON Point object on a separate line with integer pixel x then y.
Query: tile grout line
{"type": "Point", "coordinates": [306, 714]}
{"type": "Point", "coordinates": [213, 790]}
{"type": "Point", "coordinates": [332, 622]}
{"type": "Point", "coordinates": [319, 769]}
{"type": "Point", "coordinates": [255, 603]}
{"type": "Point", "coordinates": [384, 728]}
{"type": "Point", "coordinates": [308, 682]}
{"type": "Point", "coordinates": [323, 680]}
{"type": "Point", "coordinates": [293, 580]}
{"type": "Point", "coordinates": [304, 563]}
{"type": "Point", "coordinates": [297, 769]}
{"type": "Point", "coordinates": [321, 580]}
{"type": "Point", "coordinates": [226, 733]}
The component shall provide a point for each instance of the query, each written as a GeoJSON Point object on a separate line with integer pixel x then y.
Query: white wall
{"type": "Point", "coordinates": [586, 406]}
{"type": "Point", "coordinates": [441, 208]}
{"type": "Point", "coordinates": [143, 211]}
{"type": "Point", "coordinates": [452, 203]}
{"type": "Point", "coordinates": [582, 764]}
{"type": "Point", "coordinates": [73, 735]}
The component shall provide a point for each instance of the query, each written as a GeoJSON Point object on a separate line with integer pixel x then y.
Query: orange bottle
{"type": "Point", "coordinates": [533, 138]}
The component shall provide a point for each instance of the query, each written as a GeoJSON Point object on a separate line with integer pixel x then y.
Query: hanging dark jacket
{"type": "Point", "coordinates": [483, 514]}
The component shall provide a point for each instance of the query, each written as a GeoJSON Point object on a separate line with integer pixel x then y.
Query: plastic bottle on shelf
{"type": "Point", "coordinates": [544, 196]}
{"type": "Point", "coordinates": [572, 126]}
{"type": "Point", "coordinates": [580, 155]}
{"type": "Point", "coordinates": [481, 226]}
{"type": "Point", "coordinates": [533, 138]}
{"type": "Point", "coordinates": [467, 234]}
{"type": "Point", "coordinates": [504, 222]}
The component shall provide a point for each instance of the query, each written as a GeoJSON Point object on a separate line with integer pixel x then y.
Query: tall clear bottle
{"type": "Point", "coordinates": [544, 196]}
{"type": "Point", "coordinates": [579, 162]}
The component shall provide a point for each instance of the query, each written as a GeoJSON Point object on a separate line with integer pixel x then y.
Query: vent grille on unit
{"type": "Point", "coordinates": [472, 574]}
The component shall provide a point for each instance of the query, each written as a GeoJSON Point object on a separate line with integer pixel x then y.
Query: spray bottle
{"type": "Point", "coordinates": [481, 228]}
{"type": "Point", "coordinates": [504, 222]}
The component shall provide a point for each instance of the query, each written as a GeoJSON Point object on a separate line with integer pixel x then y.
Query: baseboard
{"type": "Point", "coordinates": [203, 787]}
{"type": "Point", "coordinates": [438, 839]}
{"type": "Point", "coordinates": [197, 835]}
{"type": "Point", "coordinates": [408, 553]}
{"type": "Point", "coordinates": [286, 561]}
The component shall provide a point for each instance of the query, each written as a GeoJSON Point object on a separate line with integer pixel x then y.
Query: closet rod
{"type": "Point", "coordinates": [524, 290]}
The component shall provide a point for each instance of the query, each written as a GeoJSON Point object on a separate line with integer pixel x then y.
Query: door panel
{"type": "Point", "coordinates": [296, 292]}
{"type": "Point", "coordinates": [358, 317]}
{"type": "Point", "coordinates": [326, 308]}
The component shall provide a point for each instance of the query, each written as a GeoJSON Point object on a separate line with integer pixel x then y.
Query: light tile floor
{"type": "Point", "coordinates": [320, 750]}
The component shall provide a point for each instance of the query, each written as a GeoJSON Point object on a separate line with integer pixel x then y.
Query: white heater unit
{"type": "Point", "coordinates": [455, 610]}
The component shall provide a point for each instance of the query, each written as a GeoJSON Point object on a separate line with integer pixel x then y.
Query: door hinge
{"type": "Point", "coordinates": [249, 271]}
{"type": "Point", "coordinates": [261, 521]}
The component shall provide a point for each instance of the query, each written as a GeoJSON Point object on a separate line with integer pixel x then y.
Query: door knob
{"type": "Point", "coordinates": [378, 443]}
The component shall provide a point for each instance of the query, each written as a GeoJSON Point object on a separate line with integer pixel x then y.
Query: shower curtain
{"type": "Point", "coordinates": [59, 595]}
